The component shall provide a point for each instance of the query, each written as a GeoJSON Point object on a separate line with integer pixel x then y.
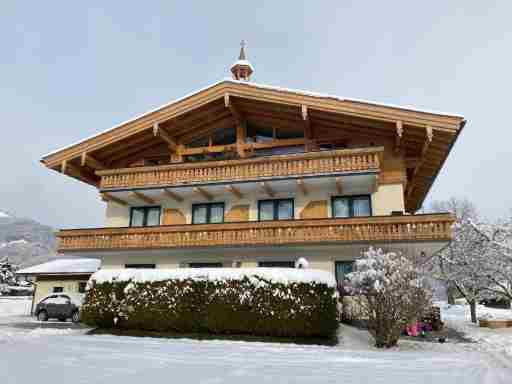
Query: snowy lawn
{"type": "Point", "coordinates": [498, 340]}
{"type": "Point", "coordinates": [65, 355]}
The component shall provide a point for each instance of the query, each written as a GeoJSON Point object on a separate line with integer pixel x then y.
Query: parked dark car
{"type": "Point", "coordinates": [60, 306]}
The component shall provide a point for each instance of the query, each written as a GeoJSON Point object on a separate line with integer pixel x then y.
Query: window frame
{"type": "Point", "coordinates": [59, 290]}
{"type": "Point", "coordinates": [276, 264]}
{"type": "Point", "coordinates": [140, 266]}
{"type": "Point", "coordinates": [205, 265]}
{"type": "Point", "coordinates": [351, 199]}
{"type": "Point", "coordinates": [146, 209]}
{"type": "Point", "coordinates": [209, 211]}
{"type": "Point", "coordinates": [276, 208]}
{"type": "Point", "coordinates": [80, 285]}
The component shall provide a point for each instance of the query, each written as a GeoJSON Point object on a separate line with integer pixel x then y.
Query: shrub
{"type": "Point", "coordinates": [263, 301]}
{"type": "Point", "coordinates": [390, 293]}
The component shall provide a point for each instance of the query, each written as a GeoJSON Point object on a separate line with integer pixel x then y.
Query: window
{"type": "Point", "coordinates": [140, 266]}
{"type": "Point", "coordinates": [57, 289]}
{"type": "Point", "coordinates": [351, 206]}
{"type": "Point", "coordinates": [342, 269]}
{"type": "Point", "coordinates": [207, 213]}
{"type": "Point", "coordinates": [276, 264]}
{"type": "Point", "coordinates": [278, 209]}
{"type": "Point", "coordinates": [81, 286]}
{"type": "Point", "coordinates": [144, 216]}
{"type": "Point", "coordinates": [205, 265]}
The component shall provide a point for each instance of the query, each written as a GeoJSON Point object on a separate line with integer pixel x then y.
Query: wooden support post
{"type": "Point", "coordinates": [172, 195]}
{"type": "Point", "coordinates": [267, 189]}
{"type": "Point", "coordinates": [108, 197]}
{"type": "Point", "coordinates": [204, 193]}
{"type": "Point", "coordinates": [302, 187]}
{"type": "Point", "coordinates": [241, 125]}
{"type": "Point", "coordinates": [235, 191]}
{"type": "Point", "coordinates": [142, 197]}
{"type": "Point", "coordinates": [307, 128]}
{"type": "Point", "coordinates": [177, 157]}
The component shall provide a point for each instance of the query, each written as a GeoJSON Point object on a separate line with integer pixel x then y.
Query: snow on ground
{"type": "Point", "coordinates": [15, 306]}
{"type": "Point", "coordinates": [69, 355]}
{"type": "Point", "coordinates": [498, 340]}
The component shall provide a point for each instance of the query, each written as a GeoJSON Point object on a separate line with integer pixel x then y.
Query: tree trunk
{"type": "Point", "coordinates": [450, 292]}
{"type": "Point", "coordinates": [472, 307]}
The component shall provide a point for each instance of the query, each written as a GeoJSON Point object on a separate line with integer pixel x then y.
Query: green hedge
{"type": "Point", "coordinates": [236, 306]}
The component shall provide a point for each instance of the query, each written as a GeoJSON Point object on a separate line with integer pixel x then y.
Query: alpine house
{"type": "Point", "coordinates": [240, 174]}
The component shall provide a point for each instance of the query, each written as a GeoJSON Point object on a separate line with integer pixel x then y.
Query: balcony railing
{"type": "Point", "coordinates": [436, 227]}
{"type": "Point", "coordinates": [294, 165]}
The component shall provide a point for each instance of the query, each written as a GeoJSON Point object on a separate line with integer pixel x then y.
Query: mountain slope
{"type": "Point", "coordinates": [26, 242]}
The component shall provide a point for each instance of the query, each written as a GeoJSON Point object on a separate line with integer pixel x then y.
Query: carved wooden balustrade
{"type": "Point", "coordinates": [294, 165]}
{"type": "Point", "coordinates": [435, 227]}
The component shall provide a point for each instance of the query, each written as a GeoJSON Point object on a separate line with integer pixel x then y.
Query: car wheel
{"type": "Point", "coordinates": [76, 317]}
{"type": "Point", "coordinates": [42, 316]}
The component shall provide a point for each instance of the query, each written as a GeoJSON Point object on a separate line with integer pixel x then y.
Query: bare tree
{"type": "Point", "coordinates": [464, 210]}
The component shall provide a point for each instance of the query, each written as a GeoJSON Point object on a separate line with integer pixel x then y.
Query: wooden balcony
{"type": "Point", "coordinates": [436, 227]}
{"type": "Point", "coordinates": [295, 165]}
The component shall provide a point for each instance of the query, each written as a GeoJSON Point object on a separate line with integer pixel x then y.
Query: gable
{"type": "Point", "coordinates": [208, 118]}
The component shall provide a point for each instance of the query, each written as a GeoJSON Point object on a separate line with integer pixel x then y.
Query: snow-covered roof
{"type": "Point", "coordinates": [261, 86]}
{"type": "Point", "coordinates": [63, 266]}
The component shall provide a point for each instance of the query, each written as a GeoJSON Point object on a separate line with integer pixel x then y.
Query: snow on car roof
{"type": "Point", "coordinates": [63, 266]}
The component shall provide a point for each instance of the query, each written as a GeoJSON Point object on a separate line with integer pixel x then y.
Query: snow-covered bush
{"type": "Point", "coordinates": [262, 301]}
{"type": "Point", "coordinates": [390, 292]}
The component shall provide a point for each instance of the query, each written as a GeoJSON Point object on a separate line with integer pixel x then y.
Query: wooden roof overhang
{"type": "Point", "coordinates": [425, 138]}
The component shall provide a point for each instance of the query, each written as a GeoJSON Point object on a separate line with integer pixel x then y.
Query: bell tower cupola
{"type": "Point", "coordinates": [242, 69]}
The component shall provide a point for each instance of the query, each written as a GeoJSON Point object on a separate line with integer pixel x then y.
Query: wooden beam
{"type": "Point", "coordinates": [142, 197]}
{"type": "Point", "coordinates": [267, 189]}
{"type": "Point", "coordinates": [302, 186]}
{"type": "Point", "coordinates": [159, 132]}
{"type": "Point", "coordinates": [69, 169]}
{"type": "Point", "coordinates": [235, 191]}
{"type": "Point", "coordinates": [172, 195]}
{"type": "Point", "coordinates": [339, 186]}
{"type": "Point", "coordinates": [204, 193]}
{"type": "Point", "coordinates": [109, 197]}
{"type": "Point", "coordinates": [428, 140]}
{"type": "Point", "coordinates": [91, 162]}
{"type": "Point", "coordinates": [398, 136]}
{"type": "Point", "coordinates": [228, 103]}
{"type": "Point", "coordinates": [277, 143]}
{"type": "Point", "coordinates": [307, 128]}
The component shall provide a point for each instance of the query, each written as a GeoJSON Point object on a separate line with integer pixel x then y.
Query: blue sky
{"type": "Point", "coordinates": [69, 70]}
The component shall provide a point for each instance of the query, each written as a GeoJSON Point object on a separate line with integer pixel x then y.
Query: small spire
{"type": "Point", "coordinates": [242, 68]}
{"type": "Point", "coordinates": [242, 51]}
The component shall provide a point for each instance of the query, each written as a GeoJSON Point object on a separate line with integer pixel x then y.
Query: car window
{"type": "Point", "coordinates": [46, 299]}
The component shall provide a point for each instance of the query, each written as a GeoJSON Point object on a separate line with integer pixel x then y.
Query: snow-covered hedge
{"type": "Point", "coordinates": [256, 301]}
